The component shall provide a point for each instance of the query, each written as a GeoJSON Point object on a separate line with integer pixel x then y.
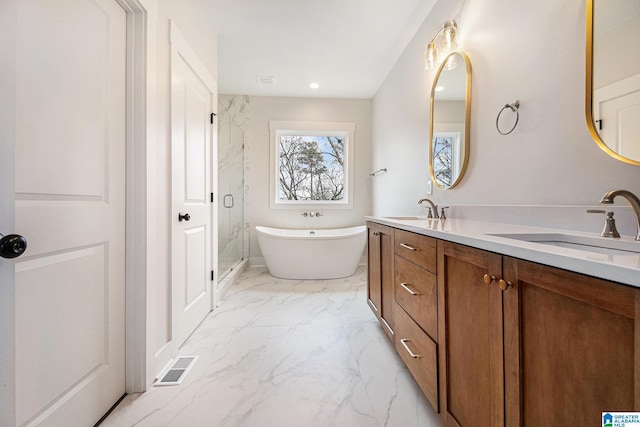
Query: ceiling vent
{"type": "Point", "coordinates": [266, 80]}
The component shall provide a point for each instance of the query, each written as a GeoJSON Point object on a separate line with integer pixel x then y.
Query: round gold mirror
{"type": "Point", "coordinates": [613, 77]}
{"type": "Point", "coordinates": [449, 126]}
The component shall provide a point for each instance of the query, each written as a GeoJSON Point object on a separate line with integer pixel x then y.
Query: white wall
{"type": "Point", "coordinates": [258, 175]}
{"type": "Point", "coordinates": [612, 59]}
{"type": "Point", "coordinates": [531, 51]}
{"type": "Point", "coordinates": [190, 16]}
{"type": "Point", "coordinates": [449, 112]}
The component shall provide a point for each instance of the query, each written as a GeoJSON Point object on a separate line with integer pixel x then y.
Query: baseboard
{"type": "Point", "coordinates": [228, 281]}
{"type": "Point", "coordinates": [257, 261]}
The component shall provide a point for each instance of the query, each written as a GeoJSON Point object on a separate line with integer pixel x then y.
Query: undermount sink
{"type": "Point", "coordinates": [599, 245]}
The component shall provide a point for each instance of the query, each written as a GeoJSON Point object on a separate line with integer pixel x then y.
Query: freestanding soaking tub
{"type": "Point", "coordinates": [312, 254]}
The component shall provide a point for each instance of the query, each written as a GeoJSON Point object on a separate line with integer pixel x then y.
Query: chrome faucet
{"type": "Point", "coordinates": [633, 201]}
{"type": "Point", "coordinates": [433, 206]}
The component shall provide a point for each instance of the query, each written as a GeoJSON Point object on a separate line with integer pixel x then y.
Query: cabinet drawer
{"type": "Point", "coordinates": [416, 248]}
{"type": "Point", "coordinates": [419, 353]}
{"type": "Point", "coordinates": [416, 293]}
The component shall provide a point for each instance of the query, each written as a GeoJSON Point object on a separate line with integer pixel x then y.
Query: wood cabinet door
{"type": "Point", "coordinates": [569, 346]}
{"type": "Point", "coordinates": [374, 294]}
{"type": "Point", "coordinates": [387, 267]}
{"type": "Point", "coordinates": [470, 337]}
{"type": "Point", "coordinates": [381, 274]}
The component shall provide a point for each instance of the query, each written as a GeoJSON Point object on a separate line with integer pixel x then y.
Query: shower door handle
{"type": "Point", "coordinates": [225, 203]}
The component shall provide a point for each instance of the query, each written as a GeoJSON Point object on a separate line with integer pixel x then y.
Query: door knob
{"type": "Point", "coordinates": [12, 245]}
{"type": "Point", "coordinates": [183, 217]}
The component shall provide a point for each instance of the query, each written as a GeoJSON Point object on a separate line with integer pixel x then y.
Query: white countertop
{"type": "Point", "coordinates": [618, 268]}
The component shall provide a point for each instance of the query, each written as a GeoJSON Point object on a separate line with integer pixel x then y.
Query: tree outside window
{"type": "Point", "coordinates": [311, 168]}
{"type": "Point", "coordinates": [446, 157]}
{"type": "Point", "coordinates": [311, 165]}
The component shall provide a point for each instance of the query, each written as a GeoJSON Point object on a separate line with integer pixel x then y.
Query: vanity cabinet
{"type": "Point", "coordinates": [577, 338]}
{"type": "Point", "coordinates": [380, 244]}
{"type": "Point", "coordinates": [525, 344]}
{"type": "Point", "coordinates": [471, 342]}
{"type": "Point", "coordinates": [416, 310]}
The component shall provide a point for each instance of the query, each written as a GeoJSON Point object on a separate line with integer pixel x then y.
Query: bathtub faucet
{"type": "Point", "coordinates": [311, 214]}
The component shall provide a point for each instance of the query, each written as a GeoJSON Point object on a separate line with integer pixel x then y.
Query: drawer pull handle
{"type": "Point", "coordinates": [408, 289]}
{"type": "Point", "coordinates": [404, 342]}
{"type": "Point", "coordinates": [411, 248]}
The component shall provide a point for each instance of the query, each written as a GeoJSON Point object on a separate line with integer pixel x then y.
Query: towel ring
{"type": "Point", "coordinates": [515, 107]}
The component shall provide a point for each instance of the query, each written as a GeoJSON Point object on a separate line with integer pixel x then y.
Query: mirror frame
{"type": "Point", "coordinates": [589, 90]}
{"type": "Point", "coordinates": [467, 121]}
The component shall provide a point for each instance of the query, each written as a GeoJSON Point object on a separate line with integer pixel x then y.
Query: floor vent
{"type": "Point", "coordinates": [177, 371]}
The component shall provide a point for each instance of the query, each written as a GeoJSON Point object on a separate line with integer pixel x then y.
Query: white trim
{"type": "Point", "coordinates": [8, 30]}
{"type": "Point", "coordinates": [136, 199]}
{"type": "Point", "coordinates": [329, 128]}
{"type": "Point", "coordinates": [257, 261]}
{"type": "Point", "coordinates": [617, 89]}
{"type": "Point", "coordinates": [229, 280]}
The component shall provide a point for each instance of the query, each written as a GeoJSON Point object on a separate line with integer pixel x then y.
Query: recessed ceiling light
{"type": "Point", "coordinates": [314, 85]}
{"type": "Point", "coordinates": [439, 88]}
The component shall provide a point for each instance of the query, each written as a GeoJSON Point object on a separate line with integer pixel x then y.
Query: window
{"type": "Point", "coordinates": [447, 155]}
{"type": "Point", "coordinates": [311, 164]}
{"type": "Point", "coordinates": [444, 157]}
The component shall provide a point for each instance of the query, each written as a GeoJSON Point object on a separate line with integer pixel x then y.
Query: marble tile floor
{"type": "Point", "coordinates": [286, 353]}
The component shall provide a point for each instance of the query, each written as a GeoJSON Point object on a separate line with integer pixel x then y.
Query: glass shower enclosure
{"type": "Point", "coordinates": [230, 193]}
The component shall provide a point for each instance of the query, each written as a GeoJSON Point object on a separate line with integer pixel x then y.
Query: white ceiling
{"type": "Point", "coordinates": [347, 46]}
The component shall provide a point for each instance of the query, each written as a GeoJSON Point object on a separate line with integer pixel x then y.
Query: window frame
{"type": "Point", "coordinates": [305, 128]}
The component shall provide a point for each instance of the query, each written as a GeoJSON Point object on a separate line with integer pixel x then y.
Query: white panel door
{"type": "Point", "coordinates": [192, 102]}
{"type": "Point", "coordinates": [616, 108]}
{"type": "Point", "coordinates": [70, 205]}
{"type": "Point", "coordinates": [621, 124]}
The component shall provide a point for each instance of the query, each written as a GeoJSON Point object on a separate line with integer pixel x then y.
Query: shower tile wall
{"type": "Point", "coordinates": [233, 118]}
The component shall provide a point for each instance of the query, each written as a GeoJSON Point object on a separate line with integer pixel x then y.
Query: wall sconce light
{"type": "Point", "coordinates": [441, 45]}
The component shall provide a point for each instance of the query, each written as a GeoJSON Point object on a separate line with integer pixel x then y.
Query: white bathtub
{"type": "Point", "coordinates": [312, 254]}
